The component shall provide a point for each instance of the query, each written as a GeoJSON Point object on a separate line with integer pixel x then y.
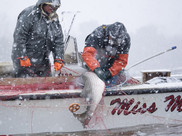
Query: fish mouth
{"type": "Point", "coordinates": [84, 118]}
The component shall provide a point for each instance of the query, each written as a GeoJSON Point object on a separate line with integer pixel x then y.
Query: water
{"type": "Point", "coordinates": [148, 130]}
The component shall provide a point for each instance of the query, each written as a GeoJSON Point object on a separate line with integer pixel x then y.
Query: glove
{"type": "Point", "coordinates": [24, 62]}
{"type": "Point", "coordinates": [103, 75]}
{"type": "Point", "coordinates": [58, 64]}
{"type": "Point", "coordinates": [107, 74]}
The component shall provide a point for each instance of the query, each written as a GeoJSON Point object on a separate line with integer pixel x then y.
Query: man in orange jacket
{"type": "Point", "coordinates": [106, 51]}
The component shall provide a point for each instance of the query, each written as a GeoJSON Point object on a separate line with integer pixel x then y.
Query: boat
{"type": "Point", "coordinates": [48, 104]}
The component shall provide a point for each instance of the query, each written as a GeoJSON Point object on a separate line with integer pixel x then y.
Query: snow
{"type": "Point", "coordinates": [158, 83]}
{"type": "Point", "coordinates": [156, 70]}
{"type": "Point", "coordinates": [158, 80]}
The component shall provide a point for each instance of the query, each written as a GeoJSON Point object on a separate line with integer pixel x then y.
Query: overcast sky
{"type": "Point", "coordinates": [154, 26]}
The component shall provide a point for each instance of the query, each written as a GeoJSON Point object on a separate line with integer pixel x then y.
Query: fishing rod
{"type": "Point", "coordinates": [172, 48]}
{"type": "Point", "coordinates": [68, 36]}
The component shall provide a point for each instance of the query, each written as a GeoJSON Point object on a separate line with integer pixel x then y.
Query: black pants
{"type": "Point", "coordinates": [43, 70]}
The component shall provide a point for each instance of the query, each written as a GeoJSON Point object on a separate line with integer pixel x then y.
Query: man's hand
{"type": "Point", "coordinates": [58, 64]}
{"type": "Point", "coordinates": [24, 62]}
{"type": "Point", "coordinates": [103, 75]}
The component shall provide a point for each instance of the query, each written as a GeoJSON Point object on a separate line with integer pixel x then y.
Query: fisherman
{"type": "Point", "coordinates": [106, 52]}
{"type": "Point", "coordinates": [37, 34]}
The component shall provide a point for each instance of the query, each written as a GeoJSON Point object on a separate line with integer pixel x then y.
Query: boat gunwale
{"type": "Point", "coordinates": [66, 94]}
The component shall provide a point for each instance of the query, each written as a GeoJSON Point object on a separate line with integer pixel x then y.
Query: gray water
{"type": "Point", "coordinates": [149, 130]}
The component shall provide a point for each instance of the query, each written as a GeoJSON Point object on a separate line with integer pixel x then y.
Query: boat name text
{"type": "Point", "coordinates": [130, 107]}
{"type": "Point", "coordinates": [174, 103]}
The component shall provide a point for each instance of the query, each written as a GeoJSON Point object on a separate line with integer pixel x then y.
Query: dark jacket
{"type": "Point", "coordinates": [36, 36]}
{"type": "Point", "coordinates": [98, 52]}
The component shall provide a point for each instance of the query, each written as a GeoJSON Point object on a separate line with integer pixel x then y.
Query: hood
{"type": "Point", "coordinates": [117, 30]}
{"type": "Point", "coordinates": [53, 2]}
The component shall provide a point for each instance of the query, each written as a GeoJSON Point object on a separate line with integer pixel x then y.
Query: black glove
{"type": "Point", "coordinates": [107, 74]}
{"type": "Point", "coordinates": [103, 75]}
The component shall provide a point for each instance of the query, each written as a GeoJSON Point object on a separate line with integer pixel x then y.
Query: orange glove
{"type": "Point", "coordinates": [58, 64]}
{"type": "Point", "coordinates": [25, 61]}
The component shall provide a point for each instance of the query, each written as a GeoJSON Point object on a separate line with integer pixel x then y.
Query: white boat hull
{"type": "Point", "coordinates": [51, 114]}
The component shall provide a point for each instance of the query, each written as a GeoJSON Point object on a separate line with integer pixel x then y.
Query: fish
{"type": "Point", "coordinates": [92, 92]}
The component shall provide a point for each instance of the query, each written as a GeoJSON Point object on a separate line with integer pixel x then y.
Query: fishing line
{"type": "Point", "coordinates": [158, 54]}
{"type": "Point", "coordinates": [72, 70]}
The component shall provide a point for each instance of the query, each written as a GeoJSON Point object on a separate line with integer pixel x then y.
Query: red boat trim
{"type": "Point", "coordinates": [76, 94]}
